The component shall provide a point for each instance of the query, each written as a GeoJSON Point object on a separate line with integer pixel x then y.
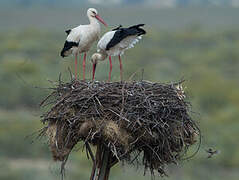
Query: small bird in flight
{"type": "Point", "coordinates": [211, 152]}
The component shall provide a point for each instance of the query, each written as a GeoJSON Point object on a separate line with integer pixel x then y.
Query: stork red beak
{"type": "Point", "coordinates": [101, 20]}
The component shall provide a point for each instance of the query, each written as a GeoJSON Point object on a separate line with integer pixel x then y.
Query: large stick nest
{"type": "Point", "coordinates": [129, 118]}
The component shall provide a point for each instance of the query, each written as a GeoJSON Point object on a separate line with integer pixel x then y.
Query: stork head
{"type": "Point", "coordinates": [92, 13]}
{"type": "Point", "coordinates": [97, 57]}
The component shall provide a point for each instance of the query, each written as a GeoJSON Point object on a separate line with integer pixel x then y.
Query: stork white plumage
{"type": "Point", "coordinates": [114, 43]}
{"type": "Point", "coordinates": [80, 39]}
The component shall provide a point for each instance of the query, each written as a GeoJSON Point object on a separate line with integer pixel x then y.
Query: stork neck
{"type": "Point", "coordinates": [93, 21]}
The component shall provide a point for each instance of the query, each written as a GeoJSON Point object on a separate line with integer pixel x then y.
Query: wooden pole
{"type": "Point", "coordinates": [102, 164]}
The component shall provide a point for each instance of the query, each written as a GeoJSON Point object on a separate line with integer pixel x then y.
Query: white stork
{"type": "Point", "coordinates": [80, 39]}
{"type": "Point", "coordinates": [114, 43]}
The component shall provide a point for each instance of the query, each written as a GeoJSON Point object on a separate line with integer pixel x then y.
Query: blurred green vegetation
{"type": "Point", "coordinates": [208, 60]}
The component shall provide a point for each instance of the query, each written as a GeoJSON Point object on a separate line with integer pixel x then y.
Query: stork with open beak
{"type": "Point", "coordinates": [80, 39]}
{"type": "Point", "coordinates": [114, 43]}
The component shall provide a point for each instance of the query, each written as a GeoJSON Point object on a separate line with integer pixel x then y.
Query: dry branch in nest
{"type": "Point", "coordinates": [129, 118]}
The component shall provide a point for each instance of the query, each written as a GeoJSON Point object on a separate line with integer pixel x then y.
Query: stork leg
{"type": "Point", "coordinates": [110, 68]}
{"type": "Point", "coordinates": [76, 65]}
{"type": "Point", "coordinates": [121, 69]}
{"type": "Point", "coordinates": [93, 73]}
{"type": "Point", "coordinates": [79, 67]}
{"type": "Point", "coordinates": [84, 66]}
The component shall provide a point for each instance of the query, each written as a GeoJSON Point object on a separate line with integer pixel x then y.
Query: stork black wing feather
{"type": "Point", "coordinates": [122, 33]}
{"type": "Point", "coordinates": [68, 31]}
{"type": "Point", "coordinates": [117, 28]}
{"type": "Point", "coordinates": [139, 30]}
{"type": "Point", "coordinates": [67, 46]}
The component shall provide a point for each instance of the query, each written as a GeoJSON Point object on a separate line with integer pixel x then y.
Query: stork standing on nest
{"type": "Point", "coordinates": [114, 43]}
{"type": "Point", "coordinates": [80, 39]}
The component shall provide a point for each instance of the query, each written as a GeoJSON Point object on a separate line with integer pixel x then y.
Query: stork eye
{"type": "Point", "coordinates": [93, 13]}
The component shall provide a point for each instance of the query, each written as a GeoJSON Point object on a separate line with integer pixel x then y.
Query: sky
{"type": "Point", "coordinates": [157, 3]}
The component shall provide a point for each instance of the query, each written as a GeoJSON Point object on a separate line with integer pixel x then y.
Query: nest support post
{"type": "Point", "coordinates": [102, 163]}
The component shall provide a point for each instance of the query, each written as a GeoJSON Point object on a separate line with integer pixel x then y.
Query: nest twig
{"type": "Point", "coordinates": [129, 118]}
